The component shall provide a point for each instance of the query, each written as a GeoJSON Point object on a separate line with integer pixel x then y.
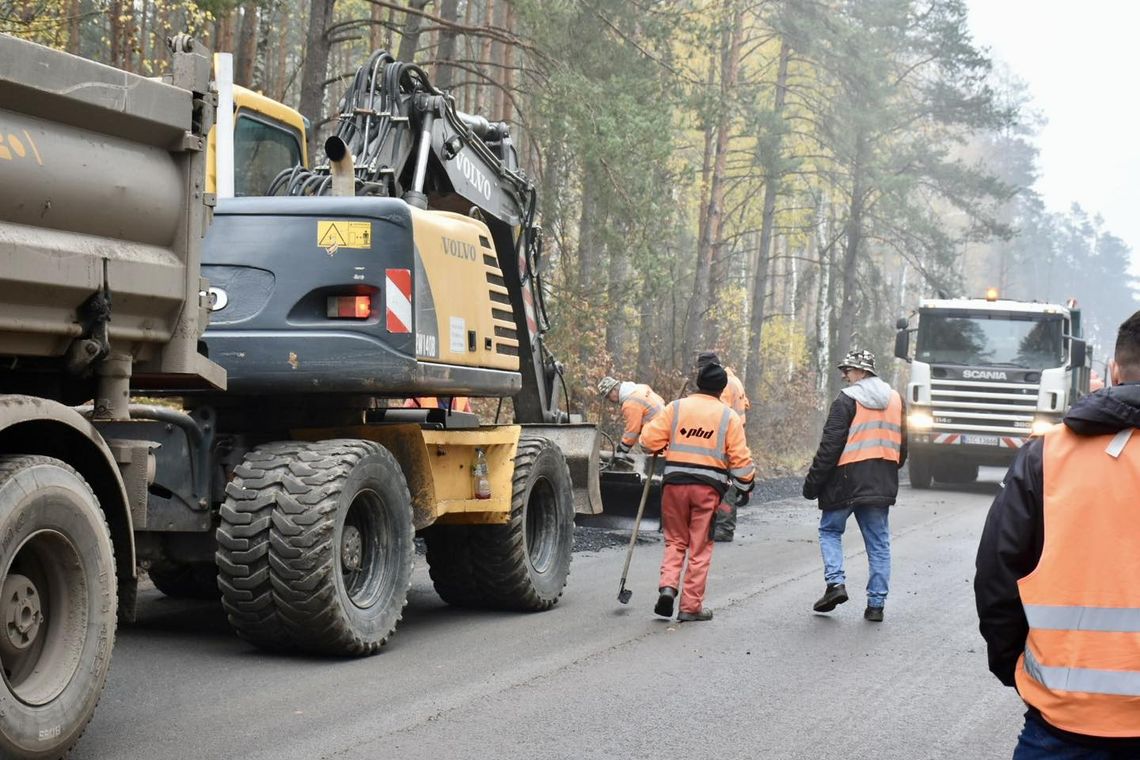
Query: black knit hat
{"type": "Point", "coordinates": [712, 378]}
{"type": "Point", "coordinates": [707, 357]}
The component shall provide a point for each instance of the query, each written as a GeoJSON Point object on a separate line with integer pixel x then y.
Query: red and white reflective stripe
{"type": "Point", "coordinates": [398, 299]}
{"type": "Point", "coordinates": [947, 438]}
{"type": "Point", "coordinates": [528, 308]}
{"type": "Point", "coordinates": [1012, 443]}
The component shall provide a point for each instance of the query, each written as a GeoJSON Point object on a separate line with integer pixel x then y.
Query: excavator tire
{"type": "Point", "coordinates": [449, 564]}
{"type": "Point", "coordinates": [315, 547]}
{"type": "Point", "coordinates": [523, 565]}
{"type": "Point", "coordinates": [180, 580]}
{"type": "Point", "coordinates": [58, 606]}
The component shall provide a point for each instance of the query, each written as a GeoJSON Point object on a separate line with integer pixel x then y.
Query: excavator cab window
{"type": "Point", "coordinates": [262, 149]}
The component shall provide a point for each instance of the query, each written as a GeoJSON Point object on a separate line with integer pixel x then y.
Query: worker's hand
{"type": "Point", "coordinates": [809, 492]}
{"type": "Point", "coordinates": [741, 498]}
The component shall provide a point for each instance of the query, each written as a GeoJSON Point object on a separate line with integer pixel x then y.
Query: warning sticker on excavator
{"type": "Point", "coordinates": [332, 236]}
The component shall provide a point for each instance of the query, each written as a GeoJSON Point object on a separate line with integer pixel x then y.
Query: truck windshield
{"type": "Point", "coordinates": [1033, 341]}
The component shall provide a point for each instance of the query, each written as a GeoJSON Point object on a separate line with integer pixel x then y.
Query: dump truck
{"type": "Point", "coordinates": [279, 472]}
{"type": "Point", "coordinates": [986, 375]}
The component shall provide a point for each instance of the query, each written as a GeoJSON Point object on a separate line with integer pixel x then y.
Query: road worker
{"type": "Point", "coordinates": [856, 471]}
{"type": "Point", "coordinates": [455, 403]}
{"type": "Point", "coordinates": [639, 405]}
{"type": "Point", "coordinates": [1058, 574]}
{"type": "Point", "coordinates": [735, 398]}
{"type": "Point", "coordinates": [705, 453]}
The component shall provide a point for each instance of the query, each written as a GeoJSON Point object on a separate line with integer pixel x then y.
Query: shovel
{"type": "Point", "coordinates": [625, 594]}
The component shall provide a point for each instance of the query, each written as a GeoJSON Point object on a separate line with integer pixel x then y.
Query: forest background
{"type": "Point", "coordinates": [776, 180]}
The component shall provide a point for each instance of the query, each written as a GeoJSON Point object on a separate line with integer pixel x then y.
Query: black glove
{"type": "Point", "coordinates": [741, 498]}
{"type": "Point", "coordinates": [809, 492]}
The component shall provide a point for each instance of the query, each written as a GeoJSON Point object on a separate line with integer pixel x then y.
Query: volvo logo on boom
{"type": "Point", "coordinates": [984, 374]}
{"type": "Point", "coordinates": [472, 174]}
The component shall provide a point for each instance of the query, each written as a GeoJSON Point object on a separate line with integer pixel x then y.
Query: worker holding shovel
{"type": "Point", "coordinates": [705, 455]}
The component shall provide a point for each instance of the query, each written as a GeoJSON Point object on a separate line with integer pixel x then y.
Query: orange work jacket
{"type": "Point", "coordinates": [703, 440]}
{"type": "Point", "coordinates": [734, 397]}
{"type": "Point", "coordinates": [875, 433]}
{"type": "Point", "coordinates": [638, 408]}
{"type": "Point", "coordinates": [1081, 664]}
{"type": "Point", "coordinates": [458, 403]}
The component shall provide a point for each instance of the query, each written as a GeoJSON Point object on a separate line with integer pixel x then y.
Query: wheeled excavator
{"type": "Point", "coordinates": [283, 476]}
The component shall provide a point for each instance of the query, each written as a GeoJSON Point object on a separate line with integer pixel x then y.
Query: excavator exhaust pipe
{"type": "Point", "coordinates": [342, 168]}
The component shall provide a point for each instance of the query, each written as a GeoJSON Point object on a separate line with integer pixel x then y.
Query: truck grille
{"type": "Point", "coordinates": [968, 406]}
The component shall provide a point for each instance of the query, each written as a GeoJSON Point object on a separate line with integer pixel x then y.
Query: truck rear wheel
{"type": "Point", "coordinates": [57, 608]}
{"type": "Point", "coordinates": [315, 547]}
{"type": "Point", "coordinates": [523, 565]}
{"type": "Point", "coordinates": [179, 580]}
{"type": "Point", "coordinates": [919, 469]}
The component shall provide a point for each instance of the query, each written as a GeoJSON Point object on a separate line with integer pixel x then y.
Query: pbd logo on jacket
{"type": "Point", "coordinates": [696, 432]}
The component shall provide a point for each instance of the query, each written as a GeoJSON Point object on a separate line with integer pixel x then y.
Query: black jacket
{"type": "Point", "coordinates": [870, 483]}
{"type": "Point", "coordinates": [1014, 534]}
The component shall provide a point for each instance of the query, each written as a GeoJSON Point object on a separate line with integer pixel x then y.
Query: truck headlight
{"type": "Point", "coordinates": [919, 421]}
{"type": "Point", "coordinates": [1041, 427]}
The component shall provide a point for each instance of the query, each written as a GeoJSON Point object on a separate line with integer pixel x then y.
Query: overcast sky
{"type": "Point", "coordinates": [1079, 60]}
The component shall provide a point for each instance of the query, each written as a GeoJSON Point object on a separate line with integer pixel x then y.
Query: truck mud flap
{"type": "Point", "coordinates": [580, 444]}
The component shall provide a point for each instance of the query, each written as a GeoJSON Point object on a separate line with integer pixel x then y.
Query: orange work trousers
{"type": "Point", "coordinates": [687, 512]}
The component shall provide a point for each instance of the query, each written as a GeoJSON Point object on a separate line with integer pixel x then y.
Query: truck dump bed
{"type": "Point", "coordinates": [101, 195]}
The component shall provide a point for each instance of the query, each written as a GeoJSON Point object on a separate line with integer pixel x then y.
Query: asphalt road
{"type": "Point", "coordinates": [591, 678]}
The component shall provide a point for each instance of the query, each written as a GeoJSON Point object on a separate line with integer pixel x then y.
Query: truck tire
{"type": "Point", "coordinates": [57, 609]}
{"type": "Point", "coordinates": [919, 469]}
{"type": "Point", "coordinates": [523, 565]}
{"type": "Point", "coordinates": [449, 564]}
{"type": "Point", "coordinates": [315, 547]}
{"type": "Point", "coordinates": [178, 580]}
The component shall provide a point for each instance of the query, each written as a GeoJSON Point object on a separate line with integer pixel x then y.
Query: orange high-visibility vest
{"type": "Point", "coordinates": [458, 403]}
{"type": "Point", "coordinates": [704, 437]}
{"type": "Point", "coordinates": [734, 395]}
{"type": "Point", "coordinates": [639, 407]}
{"type": "Point", "coordinates": [875, 433]}
{"type": "Point", "coordinates": [1081, 664]}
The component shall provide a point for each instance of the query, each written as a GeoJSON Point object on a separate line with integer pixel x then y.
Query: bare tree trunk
{"type": "Point", "coordinates": [247, 46]}
{"type": "Point", "coordinates": [315, 70]}
{"type": "Point", "coordinates": [410, 35]}
{"type": "Point", "coordinates": [617, 297]}
{"type": "Point", "coordinates": [486, 93]}
{"type": "Point", "coordinates": [703, 289]}
{"type": "Point", "coordinates": [853, 241]}
{"type": "Point", "coordinates": [754, 359]}
{"type": "Point", "coordinates": [449, 11]}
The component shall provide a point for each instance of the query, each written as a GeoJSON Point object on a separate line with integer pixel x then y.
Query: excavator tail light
{"type": "Point", "coordinates": [349, 307]}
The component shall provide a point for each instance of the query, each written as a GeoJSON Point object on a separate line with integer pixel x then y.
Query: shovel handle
{"type": "Point", "coordinates": [637, 520]}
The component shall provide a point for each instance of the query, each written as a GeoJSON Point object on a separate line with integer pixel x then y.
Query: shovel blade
{"type": "Point", "coordinates": [625, 595]}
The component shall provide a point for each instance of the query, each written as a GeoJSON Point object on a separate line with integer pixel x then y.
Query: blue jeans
{"type": "Point", "coordinates": [876, 536]}
{"type": "Point", "coordinates": [1037, 743]}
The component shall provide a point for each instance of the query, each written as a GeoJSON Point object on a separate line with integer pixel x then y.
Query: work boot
{"type": "Point", "coordinates": [665, 597]}
{"type": "Point", "coordinates": [874, 614]}
{"type": "Point", "coordinates": [694, 617]}
{"type": "Point", "coordinates": [722, 537]}
{"type": "Point", "coordinates": [835, 595]}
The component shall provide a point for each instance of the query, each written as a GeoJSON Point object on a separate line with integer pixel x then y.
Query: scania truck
{"type": "Point", "coordinates": [986, 375]}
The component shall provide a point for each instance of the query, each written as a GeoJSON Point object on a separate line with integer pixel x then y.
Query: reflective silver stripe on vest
{"type": "Point", "coordinates": [871, 443]}
{"type": "Point", "coordinates": [722, 433]}
{"type": "Point", "coordinates": [704, 472]}
{"type": "Point", "coordinates": [874, 425]}
{"type": "Point", "coordinates": [1057, 618]}
{"type": "Point", "coordinates": [687, 448]}
{"type": "Point", "coordinates": [1124, 683]}
{"type": "Point", "coordinates": [742, 472]}
{"type": "Point", "coordinates": [651, 408]}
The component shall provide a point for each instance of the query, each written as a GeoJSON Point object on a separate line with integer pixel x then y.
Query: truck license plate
{"type": "Point", "coordinates": [980, 440]}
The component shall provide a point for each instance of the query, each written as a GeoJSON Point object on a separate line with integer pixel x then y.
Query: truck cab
{"type": "Point", "coordinates": [986, 376]}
